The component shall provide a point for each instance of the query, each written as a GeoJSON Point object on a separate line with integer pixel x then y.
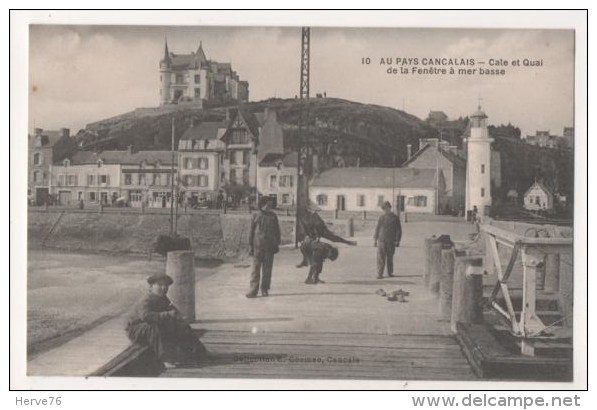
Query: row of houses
{"type": "Point", "coordinates": [240, 157]}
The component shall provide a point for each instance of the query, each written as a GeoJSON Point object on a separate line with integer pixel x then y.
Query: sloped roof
{"type": "Point", "coordinates": [205, 131]}
{"type": "Point", "coordinates": [288, 160]}
{"type": "Point", "coordinates": [376, 178]}
{"type": "Point", "coordinates": [540, 185]}
{"type": "Point", "coordinates": [249, 118]}
{"type": "Point", "coordinates": [49, 138]}
{"type": "Point", "coordinates": [453, 158]}
{"type": "Point", "coordinates": [122, 157]}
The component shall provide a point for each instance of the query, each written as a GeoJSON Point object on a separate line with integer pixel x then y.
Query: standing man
{"type": "Point", "coordinates": [264, 242]}
{"type": "Point", "coordinates": [387, 238]}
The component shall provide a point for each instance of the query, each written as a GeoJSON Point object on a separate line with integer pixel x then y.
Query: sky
{"type": "Point", "coordinates": [80, 74]}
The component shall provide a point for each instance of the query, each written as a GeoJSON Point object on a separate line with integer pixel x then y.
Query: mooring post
{"type": "Point", "coordinates": [446, 282]}
{"type": "Point", "coordinates": [467, 292]}
{"type": "Point", "coordinates": [434, 258]}
{"type": "Point", "coordinates": [180, 267]}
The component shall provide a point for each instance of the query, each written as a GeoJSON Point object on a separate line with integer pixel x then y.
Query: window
{"type": "Point", "coordinates": [92, 196]}
{"type": "Point", "coordinates": [128, 179]}
{"type": "Point", "coordinates": [238, 157]}
{"type": "Point", "coordinates": [379, 200]}
{"type": "Point", "coordinates": [482, 168]}
{"type": "Point", "coordinates": [36, 176]}
{"type": "Point", "coordinates": [197, 92]}
{"type": "Point", "coordinates": [103, 179]}
{"type": "Point", "coordinates": [239, 136]}
{"type": "Point", "coordinates": [100, 163]}
{"type": "Point", "coordinates": [66, 163]}
{"type": "Point", "coordinates": [538, 200]}
{"type": "Point", "coordinates": [233, 176]}
{"type": "Point", "coordinates": [203, 181]}
{"type": "Point", "coordinates": [245, 176]}
{"type": "Point", "coordinates": [157, 180]}
{"type": "Point", "coordinates": [197, 81]}
{"type": "Point", "coordinates": [203, 163]}
{"type": "Point", "coordinates": [286, 181]}
{"type": "Point", "coordinates": [246, 156]}
{"type": "Point", "coordinates": [141, 179]}
{"type": "Point", "coordinates": [90, 180]}
{"type": "Point", "coordinates": [71, 180]}
{"type": "Point", "coordinates": [36, 159]}
{"type": "Point", "coordinates": [419, 201]}
{"type": "Point", "coordinates": [61, 180]}
{"type": "Point", "coordinates": [135, 196]}
{"type": "Point", "coordinates": [286, 199]}
{"type": "Point", "coordinates": [482, 192]}
{"type": "Point", "coordinates": [188, 163]}
{"type": "Point", "coordinates": [360, 200]}
{"type": "Point", "coordinates": [322, 199]}
{"type": "Point", "coordinates": [273, 179]}
{"type": "Point", "coordinates": [179, 79]}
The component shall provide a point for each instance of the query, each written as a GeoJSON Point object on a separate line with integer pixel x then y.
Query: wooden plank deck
{"type": "Point", "coordinates": [330, 356]}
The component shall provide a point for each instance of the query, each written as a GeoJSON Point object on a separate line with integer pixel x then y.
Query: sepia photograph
{"type": "Point", "coordinates": [301, 201]}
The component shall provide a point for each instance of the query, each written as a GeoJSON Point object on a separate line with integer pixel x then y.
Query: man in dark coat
{"type": "Point", "coordinates": [387, 238]}
{"type": "Point", "coordinates": [155, 322]}
{"type": "Point", "coordinates": [318, 252]}
{"type": "Point", "coordinates": [315, 228]}
{"type": "Point", "coordinates": [264, 242]}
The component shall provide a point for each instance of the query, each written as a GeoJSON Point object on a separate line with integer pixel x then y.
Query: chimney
{"type": "Point", "coordinates": [65, 132]}
{"type": "Point", "coordinates": [38, 131]}
{"type": "Point", "coordinates": [409, 151]}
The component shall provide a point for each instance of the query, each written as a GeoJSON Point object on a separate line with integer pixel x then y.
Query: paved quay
{"type": "Point", "coordinates": [340, 329]}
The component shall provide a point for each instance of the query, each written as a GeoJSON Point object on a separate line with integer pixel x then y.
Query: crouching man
{"type": "Point", "coordinates": [317, 252]}
{"type": "Point", "coordinates": [155, 322]}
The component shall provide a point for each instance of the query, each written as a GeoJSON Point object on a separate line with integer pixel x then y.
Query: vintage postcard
{"type": "Point", "coordinates": [386, 201]}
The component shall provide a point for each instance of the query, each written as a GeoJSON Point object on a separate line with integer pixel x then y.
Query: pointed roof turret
{"type": "Point", "coordinates": [166, 52]}
{"type": "Point", "coordinates": [200, 53]}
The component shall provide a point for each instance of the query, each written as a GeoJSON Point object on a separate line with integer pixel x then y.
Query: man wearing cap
{"type": "Point", "coordinates": [264, 242]}
{"type": "Point", "coordinates": [387, 238]}
{"type": "Point", "coordinates": [155, 322]}
{"type": "Point", "coordinates": [318, 252]}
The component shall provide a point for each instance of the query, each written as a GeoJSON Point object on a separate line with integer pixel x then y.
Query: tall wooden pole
{"type": "Point", "coordinates": [172, 184]}
{"type": "Point", "coordinates": [304, 166]}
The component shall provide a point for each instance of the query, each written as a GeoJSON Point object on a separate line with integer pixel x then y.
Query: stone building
{"type": "Point", "coordinates": [192, 78]}
{"type": "Point", "coordinates": [45, 148]}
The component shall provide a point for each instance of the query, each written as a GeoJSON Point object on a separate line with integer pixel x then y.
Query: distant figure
{"type": "Point", "coordinates": [155, 322]}
{"type": "Point", "coordinates": [220, 204]}
{"type": "Point", "coordinates": [163, 202]}
{"type": "Point", "coordinates": [314, 228]}
{"type": "Point", "coordinates": [81, 204]}
{"type": "Point", "coordinates": [264, 243]}
{"type": "Point", "coordinates": [387, 238]}
{"type": "Point", "coordinates": [475, 215]}
{"type": "Point", "coordinates": [317, 253]}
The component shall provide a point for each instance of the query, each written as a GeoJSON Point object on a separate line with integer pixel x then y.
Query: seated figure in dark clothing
{"type": "Point", "coordinates": [317, 252]}
{"type": "Point", "coordinates": [314, 228]}
{"type": "Point", "coordinates": [155, 322]}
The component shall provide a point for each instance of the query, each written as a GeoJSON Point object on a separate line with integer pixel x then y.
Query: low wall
{"type": "Point", "coordinates": [212, 235]}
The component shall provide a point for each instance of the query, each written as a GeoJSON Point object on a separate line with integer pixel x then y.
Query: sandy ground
{"type": "Point", "coordinates": [68, 291]}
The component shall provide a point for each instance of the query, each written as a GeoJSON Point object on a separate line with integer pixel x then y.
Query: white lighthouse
{"type": "Point", "coordinates": [478, 165]}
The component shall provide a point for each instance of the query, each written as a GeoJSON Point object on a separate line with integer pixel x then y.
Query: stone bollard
{"type": "Point", "coordinates": [180, 266]}
{"type": "Point", "coordinates": [467, 294]}
{"type": "Point", "coordinates": [350, 227]}
{"type": "Point", "coordinates": [552, 273]}
{"type": "Point", "coordinates": [446, 283]}
{"type": "Point", "coordinates": [433, 259]}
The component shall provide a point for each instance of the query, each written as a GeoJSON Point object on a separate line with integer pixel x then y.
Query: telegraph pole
{"type": "Point", "coordinates": [172, 184]}
{"type": "Point", "coordinates": [304, 166]}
